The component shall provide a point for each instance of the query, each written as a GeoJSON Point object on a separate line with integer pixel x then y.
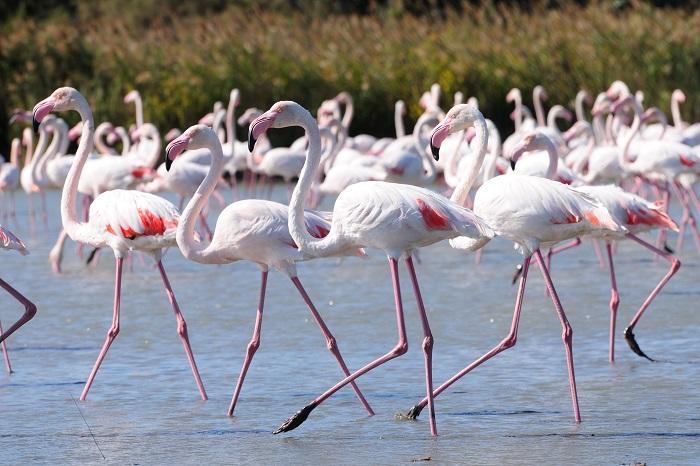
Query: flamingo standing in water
{"type": "Point", "coordinates": [254, 230]}
{"type": "Point", "coordinates": [395, 218]}
{"type": "Point", "coordinates": [533, 212]}
{"type": "Point", "coordinates": [10, 241]}
{"type": "Point", "coordinates": [120, 219]}
{"type": "Point", "coordinates": [9, 176]}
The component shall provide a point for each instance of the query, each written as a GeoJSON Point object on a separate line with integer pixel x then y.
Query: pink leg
{"type": "Point", "coordinates": [111, 333]}
{"type": "Point", "coordinates": [252, 346]}
{"type": "Point", "coordinates": [508, 342]}
{"type": "Point", "coordinates": [661, 239]}
{"type": "Point", "coordinates": [557, 250]}
{"type": "Point", "coordinates": [614, 302]}
{"type": "Point", "coordinates": [398, 350]}
{"type": "Point", "coordinates": [44, 214]}
{"type": "Point", "coordinates": [427, 346]}
{"type": "Point", "coordinates": [29, 310]}
{"type": "Point", "coordinates": [182, 331]}
{"type": "Point", "coordinates": [205, 226]}
{"type": "Point", "coordinates": [478, 256]}
{"type": "Point", "coordinates": [330, 342]}
{"type": "Point", "coordinates": [219, 198]}
{"type": "Point", "coordinates": [675, 265]}
{"type": "Point", "coordinates": [598, 253]}
{"type": "Point", "coordinates": [688, 217]}
{"type": "Point", "coordinates": [5, 354]}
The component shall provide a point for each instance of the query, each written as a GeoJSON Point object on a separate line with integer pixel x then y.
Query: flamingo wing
{"type": "Point", "coordinates": [132, 214]}
{"type": "Point", "coordinates": [8, 240]}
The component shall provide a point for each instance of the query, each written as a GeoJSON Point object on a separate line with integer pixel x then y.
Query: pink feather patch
{"type": "Point", "coordinates": [434, 219]}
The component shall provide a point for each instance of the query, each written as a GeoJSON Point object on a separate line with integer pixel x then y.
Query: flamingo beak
{"type": "Point", "coordinates": [258, 127]}
{"type": "Point", "coordinates": [176, 147]}
{"type": "Point", "coordinates": [440, 132]}
{"type": "Point", "coordinates": [40, 111]}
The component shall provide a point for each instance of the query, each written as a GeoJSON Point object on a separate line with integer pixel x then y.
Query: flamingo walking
{"type": "Point", "coordinates": [119, 219]}
{"type": "Point", "coordinates": [395, 218]}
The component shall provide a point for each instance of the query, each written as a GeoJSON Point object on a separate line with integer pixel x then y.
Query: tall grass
{"type": "Point", "coordinates": [182, 62]}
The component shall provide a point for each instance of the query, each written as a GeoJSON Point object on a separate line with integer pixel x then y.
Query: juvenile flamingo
{"type": "Point", "coordinates": [122, 220]}
{"type": "Point", "coordinates": [533, 212]}
{"type": "Point", "coordinates": [9, 241]}
{"type": "Point", "coordinates": [395, 218]}
{"type": "Point", "coordinates": [254, 230]}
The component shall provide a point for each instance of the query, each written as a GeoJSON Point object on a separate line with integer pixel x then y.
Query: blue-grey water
{"type": "Point", "coordinates": [144, 407]}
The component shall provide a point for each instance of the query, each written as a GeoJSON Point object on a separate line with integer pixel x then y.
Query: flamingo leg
{"type": "Point", "coordinates": [253, 345]}
{"type": "Point", "coordinates": [182, 330]}
{"type": "Point", "coordinates": [427, 346]}
{"type": "Point", "coordinates": [56, 253]}
{"type": "Point", "coordinates": [556, 250]}
{"type": "Point", "coordinates": [567, 334]}
{"type": "Point", "coordinates": [29, 310]}
{"type": "Point", "coordinates": [401, 348]}
{"type": "Point", "coordinates": [205, 226]}
{"type": "Point", "coordinates": [661, 239]}
{"type": "Point", "coordinates": [113, 330]}
{"type": "Point", "coordinates": [688, 217]}
{"type": "Point", "coordinates": [5, 354]}
{"type": "Point", "coordinates": [598, 253]}
{"type": "Point", "coordinates": [614, 302]}
{"type": "Point", "coordinates": [331, 342]}
{"type": "Point", "coordinates": [508, 342]}
{"type": "Point", "coordinates": [44, 214]}
{"type": "Point", "coordinates": [675, 265]}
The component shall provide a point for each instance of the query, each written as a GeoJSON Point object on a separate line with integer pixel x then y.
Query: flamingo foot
{"type": "Point", "coordinates": [297, 419]}
{"type": "Point", "coordinates": [517, 274]}
{"type": "Point", "coordinates": [634, 346]}
{"type": "Point", "coordinates": [414, 412]}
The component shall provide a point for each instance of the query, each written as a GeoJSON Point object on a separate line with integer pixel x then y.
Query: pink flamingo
{"type": "Point", "coordinates": [533, 212]}
{"type": "Point", "coordinates": [254, 230]}
{"type": "Point", "coordinates": [9, 176]}
{"type": "Point", "coordinates": [395, 218]}
{"type": "Point", "coordinates": [9, 241]}
{"type": "Point", "coordinates": [119, 219]}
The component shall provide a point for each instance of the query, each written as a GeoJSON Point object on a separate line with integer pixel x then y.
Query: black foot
{"type": "Point", "coordinates": [91, 256]}
{"type": "Point", "coordinates": [414, 412]}
{"type": "Point", "coordinates": [668, 248]}
{"type": "Point", "coordinates": [629, 336]}
{"type": "Point", "coordinates": [517, 274]}
{"type": "Point", "coordinates": [296, 420]}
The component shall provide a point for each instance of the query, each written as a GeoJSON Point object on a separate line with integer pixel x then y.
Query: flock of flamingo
{"type": "Point", "coordinates": [609, 180]}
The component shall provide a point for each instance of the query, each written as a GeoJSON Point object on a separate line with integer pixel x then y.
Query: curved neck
{"type": "Point", "coordinates": [553, 159]}
{"type": "Point", "coordinates": [552, 119]}
{"type": "Point", "coordinates": [98, 138]}
{"type": "Point", "coordinates": [348, 114]}
{"type": "Point", "coordinates": [518, 112]}
{"type": "Point", "coordinates": [69, 214]}
{"type": "Point", "coordinates": [676, 112]}
{"type": "Point", "coordinates": [126, 142]}
{"type": "Point", "coordinates": [451, 167]}
{"type": "Point", "coordinates": [398, 121]}
{"type": "Point", "coordinates": [580, 114]}
{"type": "Point", "coordinates": [468, 177]}
{"type": "Point", "coordinates": [421, 146]}
{"type": "Point", "coordinates": [537, 102]}
{"type": "Point", "coordinates": [151, 160]}
{"type": "Point", "coordinates": [230, 118]}
{"type": "Point", "coordinates": [138, 107]}
{"type": "Point", "coordinates": [14, 152]}
{"type": "Point", "coordinates": [495, 144]}
{"type": "Point", "coordinates": [634, 129]}
{"type": "Point", "coordinates": [192, 250]}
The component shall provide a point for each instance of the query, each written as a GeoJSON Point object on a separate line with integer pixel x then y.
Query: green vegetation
{"type": "Point", "coordinates": [182, 58]}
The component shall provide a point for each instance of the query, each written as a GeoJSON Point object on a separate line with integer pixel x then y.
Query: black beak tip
{"type": "Point", "coordinates": [168, 162]}
{"type": "Point", "coordinates": [251, 143]}
{"type": "Point", "coordinates": [435, 151]}
{"type": "Point", "coordinates": [512, 164]}
{"type": "Point", "coordinates": [35, 125]}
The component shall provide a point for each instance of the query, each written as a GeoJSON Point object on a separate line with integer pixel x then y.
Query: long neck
{"type": "Point", "coordinates": [98, 138]}
{"type": "Point", "coordinates": [495, 144]}
{"type": "Point", "coordinates": [622, 157]}
{"type": "Point", "coordinates": [126, 142]}
{"type": "Point", "coordinates": [14, 152]}
{"type": "Point", "coordinates": [598, 129]}
{"type": "Point", "coordinates": [349, 112]}
{"type": "Point", "coordinates": [676, 112]}
{"type": "Point", "coordinates": [138, 105]}
{"type": "Point", "coordinates": [580, 114]}
{"type": "Point", "coordinates": [518, 115]}
{"type": "Point", "coordinates": [590, 145]}
{"type": "Point", "coordinates": [151, 160]}
{"type": "Point", "coordinates": [62, 129]}
{"type": "Point", "coordinates": [552, 119]}
{"type": "Point", "coordinates": [398, 121]}
{"type": "Point", "coordinates": [468, 177]}
{"type": "Point", "coordinates": [553, 159]}
{"type": "Point", "coordinates": [428, 163]}
{"type": "Point", "coordinates": [230, 118]}
{"type": "Point", "coordinates": [69, 214]}
{"type": "Point", "coordinates": [39, 162]}
{"type": "Point", "coordinates": [450, 172]}
{"type": "Point", "coordinates": [188, 220]}
{"type": "Point", "coordinates": [539, 111]}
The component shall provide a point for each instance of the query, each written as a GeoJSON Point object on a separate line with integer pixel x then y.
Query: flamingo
{"type": "Point", "coordinates": [9, 175]}
{"type": "Point", "coordinates": [395, 218]}
{"type": "Point", "coordinates": [254, 230]}
{"type": "Point", "coordinates": [533, 212]}
{"type": "Point", "coordinates": [122, 220]}
{"type": "Point", "coordinates": [9, 241]}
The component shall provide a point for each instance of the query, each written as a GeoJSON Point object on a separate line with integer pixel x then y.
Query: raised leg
{"type": "Point", "coordinates": [427, 345]}
{"type": "Point", "coordinates": [614, 302]}
{"type": "Point", "coordinates": [29, 310]}
{"type": "Point", "coordinates": [253, 345]}
{"type": "Point", "coordinates": [675, 265]}
{"type": "Point", "coordinates": [567, 334]}
{"type": "Point", "coordinates": [508, 342]}
{"type": "Point", "coordinates": [331, 343]}
{"type": "Point", "coordinates": [111, 333]}
{"type": "Point", "coordinates": [401, 347]}
{"type": "Point", "coordinates": [182, 330]}
{"type": "Point", "coordinates": [5, 354]}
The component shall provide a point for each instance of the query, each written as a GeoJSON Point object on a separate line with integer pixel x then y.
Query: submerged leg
{"type": "Point", "coordinates": [401, 347]}
{"type": "Point", "coordinates": [508, 342]}
{"type": "Point", "coordinates": [675, 265]}
{"type": "Point", "coordinates": [5, 354]}
{"type": "Point", "coordinates": [111, 333]}
{"type": "Point", "coordinates": [253, 345]}
{"type": "Point", "coordinates": [427, 346]}
{"type": "Point", "coordinates": [330, 342]}
{"type": "Point", "coordinates": [182, 330]}
{"type": "Point", "coordinates": [614, 302]}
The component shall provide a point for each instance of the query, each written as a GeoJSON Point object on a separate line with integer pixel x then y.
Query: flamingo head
{"type": "Point", "coordinates": [460, 117]}
{"type": "Point", "coordinates": [235, 97]}
{"type": "Point", "coordinates": [620, 104]}
{"type": "Point", "coordinates": [20, 116]}
{"type": "Point", "coordinates": [530, 142]}
{"type": "Point", "coordinates": [61, 100]}
{"type": "Point", "coordinates": [249, 115]}
{"type": "Point", "coordinates": [576, 130]}
{"type": "Point", "coordinates": [678, 95]}
{"type": "Point", "coordinates": [562, 112]}
{"type": "Point", "coordinates": [617, 90]}
{"type": "Point", "coordinates": [343, 98]}
{"type": "Point", "coordinates": [172, 134]}
{"type": "Point", "coordinates": [280, 115]}
{"type": "Point", "coordinates": [195, 137]}
{"type": "Point", "coordinates": [112, 138]}
{"type": "Point", "coordinates": [585, 96]}
{"type": "Point", "coordinates": [603, 104]}
{"type": "Point", "coordinates": [513, 95]}
{"type": "Point", "coordinates": [539, 90]}
{"type": "Point", "coordinates": [132, 96]}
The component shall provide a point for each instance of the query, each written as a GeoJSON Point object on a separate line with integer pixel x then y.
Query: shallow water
{"type": "Point", "coordinates": [144, 407]}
